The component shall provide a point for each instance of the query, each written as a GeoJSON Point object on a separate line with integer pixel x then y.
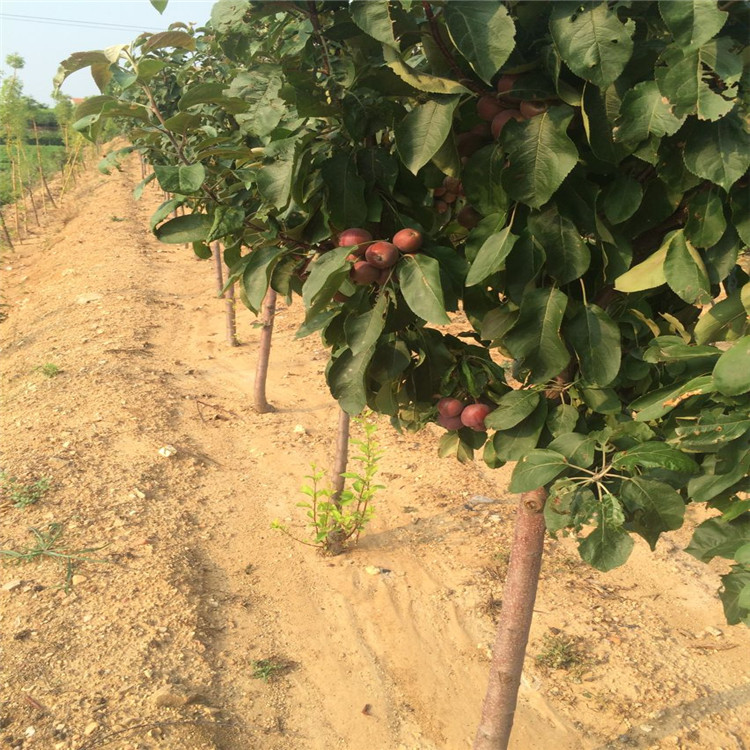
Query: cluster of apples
{"type": "Point", "coordinates": [372, 261]}
{"type": "Point", "coordinates": [454, 414]}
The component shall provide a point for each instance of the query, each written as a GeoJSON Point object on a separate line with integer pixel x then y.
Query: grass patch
{"type": "Point", "coordinates": [49, 370]}
{"type": "Point", "coordinates": [22, 494]}
{"type": "Point", "coordinates": [560, 651]}
{"type": "Point", "coordinates": [269, 669]}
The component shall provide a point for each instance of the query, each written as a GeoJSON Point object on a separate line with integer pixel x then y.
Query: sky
{"type": "Point", "coordinates": [77, 25]}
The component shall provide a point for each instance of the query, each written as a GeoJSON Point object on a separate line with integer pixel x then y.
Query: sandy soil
{"type": "Point", "coordinates": [153, 641]}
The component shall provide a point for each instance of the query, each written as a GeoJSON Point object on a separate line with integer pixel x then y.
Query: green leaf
{"type": "Point", "coordinates": [608, 546]}
{"type": "Point", "coordinates": [491, 256]}
{"type": "Point", "coordinates": [685, 271]}
{"type": "Point", "coordinates": [210, 93]}
{"type": "Point", "coordinates": [177, 39]}
{"type": "Point", "coordinates": [346, 379]}
{"type": "Point", "coordinates": [706, 223]}
{"type": "Point", "coordinates": [656, 404]}
{"type": "Point", "coordinates": [79, 60]}
{"type": "Point", "coordinates": [540, 154]}
{"type": "Point", "coordinates": [724, 317]}
{"type": "Point", "coordinates": [577, 449]}
{"type": "Point", "coordinates": [622, 199]}
{"type": "Point", "coordinates": [184, 229]}
{"type": "Point", "coordinates": [482, 32]}
{"type": "Point", "coordinates": [260, 90]}
{"type": "Point", "coordinates": [363, 331]}
{"type": "Point", "coordinates": [645, 112]}
{"type": "Point", "coordinates": [326, 275]}
{"type": "Point", "coordinates": [536, 336]}
{"type": "Point", "coordinates": [481, 180]}
{"type": "Point", "coordinates": [709, 434]}
{"type": "Point", "coordinates": [275, 179]}
{"type": "Point", "coordinates": [423, 131]}
{"type": "Point", "coordinates": [687, 77]}
{"type": "Point", "coordinates": [374, 18]}
{"type": "Point", "coordinates": [595, 338]}
{"type": "Point", "coordinates": [346, 191]}
{"type": "Point", "coordinates": [647, 274]}
{"type": "Point", "coordinates": [257, 274]}
{"type": "Point", "coordinates": [740, 202]}
{"type": "Point", "coordinates": [536, 469]}
{"type": "Point", "coordinates": [512, 408]}
{"type": "Point", "coordinates": [568, 256]}
{"type": "Point", "coordinates": [735, 595]}
{"type": "Point", "coordinates": [513, 444]}
{"type": "Point", "coordinates": [420, 81]}
{"type": "Point", "coordinates": [182, 180]}
{"type": "Point", "coordinates": [562, 419]}
{"type": "Point", "coordinates": [654, 455]}
{"type": "Point", "coordinates": [705, 488]}
{"type": "Point", "coordinates": [714, 538]}
{"type": "Point", "coordinates": [719, 151]}
{"type": "Point", "coordinates": [160, 5]}
{"type": "Point", "coordinates": [655, 505]}
{"type": "Point", "coordinates": [732, 371]}
{"type": "Point", "coordinates": [497, 322]}
{"type": "Point", "coordinates": [419, 280]}
{"type": "Point", "coordinates": [592, 40]}
{"type": "Point", "coordinates": [692, 22]}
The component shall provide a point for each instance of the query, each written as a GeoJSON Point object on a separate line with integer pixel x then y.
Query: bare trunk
{"type": "Point", "coordinates": [509, 650]}
{"type": "Point", "coordinates": [33, 205]}
{"type": "Point", "coordinates": [41, 169]}
{"type": "Point", "coordinates": [336, 537]}
{"type": "Point", "coordinates": [264, 352]}
{"type": "Point", "coordinates": [231, 316]}
{"type": "Point", "coordinates": [5, 230]}
{"type": "Point", "coordinates": [143, 167]}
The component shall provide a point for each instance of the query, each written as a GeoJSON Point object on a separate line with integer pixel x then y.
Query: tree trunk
{"type": "Point", "coordinates": [509, 650]}
{"type": "Point", "coordinates": [41, 169]}
{"type": "Point", "coordinates": [230, 314]}
{"type": "Point", "coordinates": [264, 351]}
{"type": "Point", "coordinates": [5, 230]}
{"type": "Point", "coordinates": [336, 537]}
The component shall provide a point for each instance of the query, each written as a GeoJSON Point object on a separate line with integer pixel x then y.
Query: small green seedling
{"type": "Point", "coordinates": [268, 669]}
{"type": "Point", "coordinates": [49, 370]}
{"type": "Point", "coordinates": [22, 494]}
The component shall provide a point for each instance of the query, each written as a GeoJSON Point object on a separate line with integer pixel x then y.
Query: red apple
{"type": "Point", "coordinates": [382, 254]}
{"type": "Point", "coordinates": [532, 109]}
{"type": "Point", "coordinates": [469, 143]}
{"type": "Point", "coordinates": [500, 121]}
{"type": "Point", "coordinates": [450, 407]}
{"type": "Point", "coordinates": [408, 240]}
{"type": "Point", "coordinates": [468, 217]}
{"type": "Point", "coordinates": [505, 84]}
{"type": "Point", "coordinates": [354, 236]}
{"type": "Point", "coordinates": [340, 297]}
{"type": "Point", "coordinates": [488, 106]}
{"type": "Point", "coordinates": [450, 423]}
{"type": "Point", "coordinates": [473, 416]}
{"type": "Point", "coordinates": [385, 275]}
{"type": "Point", "coordinates": [363, 273]}
{"type": "Point", "coordinates": [441, 207]}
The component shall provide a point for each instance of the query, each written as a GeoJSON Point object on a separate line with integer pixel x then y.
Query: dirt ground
{"type": "Point", "coordinates": [171, 591]}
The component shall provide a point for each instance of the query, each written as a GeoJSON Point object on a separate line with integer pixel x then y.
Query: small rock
{"type": "Point", "coordinates": [372, 570]}
{"type": "Point", "coordinates": [78, 579]}
{"type": "Point", "coordinates": [91, 727]}
{"type": "Point", "coordinates": [12, 585]}
{"type": "Point", "coordinates": [83, 299]}
{"type": "Point", "coordinates": [29, 731]}
{"type": "Point", "coordinates": [300, 430]}
{"type": "Point", "coordinates": [715, 632]}
{"type": "Point", "coordinates": [646, 728]}
{"type": "Point", "coordinates": [170, 697]}
{"type": "Point", "coordinates": [167, 451]}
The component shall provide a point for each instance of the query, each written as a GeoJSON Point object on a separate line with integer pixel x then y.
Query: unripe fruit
{"type": "Point", "coordinates": [469, 143]}
{"type": "Point", "coordinates": [473, 416]}
{"type": "Point", "coordinates": [441, 207]}
{"type": "Point", "coordinates": [354, 236]}
{"type": "Point", "coordinates": [450, 197]}
{"type": "Point", "coordinates": [468, 217]}
{"type": "Point", "coordinates": [452, 184]}
{"type": "Point", "coordinates": [487, 107]}
{"type": "Point", "coordinates": [382, 254]}
{"type": "Point", "coordinates": [450, 407]}
{"type": "Point", "coordinates": [532, 109]}
{"type": "Point", "coordinates": [500, 121]}
{"type": "Point", "coordinates": [450, 423]}
{"type": "Point", "coordinates": [438, 191]}
{"type": "Point", "coordinates": [408, 240]}
{"type": "Point", "coordinates": [385, 275]}
{"type": "Point", "coordinates": [363, 273]}
{"type": "Point", "coordinates": [482, 128]}
{"type": "Point", "coordinates": [505, 84]}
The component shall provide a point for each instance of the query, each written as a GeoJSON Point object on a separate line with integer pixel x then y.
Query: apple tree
{"type": "Point", "coordinates": [572, 178]}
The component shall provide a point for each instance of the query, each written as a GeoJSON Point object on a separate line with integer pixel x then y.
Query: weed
{"type": "Point", "coordinates": [49, 370]}
{"type": "Point", "coordinates": [268, 669]}
{"type": "Point", "coordinates": [560, 651]}
{"type": "Point", "coordinates": [117, 218]}
{"type": "Point", "coordinates": [334, 522]}
{"type": "Point", "coordinates": [49, 544]}
{"type": "Point", "coordinates": [22, 494]}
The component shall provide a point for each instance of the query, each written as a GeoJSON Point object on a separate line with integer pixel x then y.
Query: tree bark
{"type": "Point", "coordinates": [41, 168]}
{"type": "Point", "coordinates": [5, 230]}
{"type": "Point", "coordinates": [230, 315]}
{"type": "Point", "coordinates": [336, 537]}
{"type": "Point", "coordinates": [509, 650]}
{"type": "Point", "coordinates": [264, 351]}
